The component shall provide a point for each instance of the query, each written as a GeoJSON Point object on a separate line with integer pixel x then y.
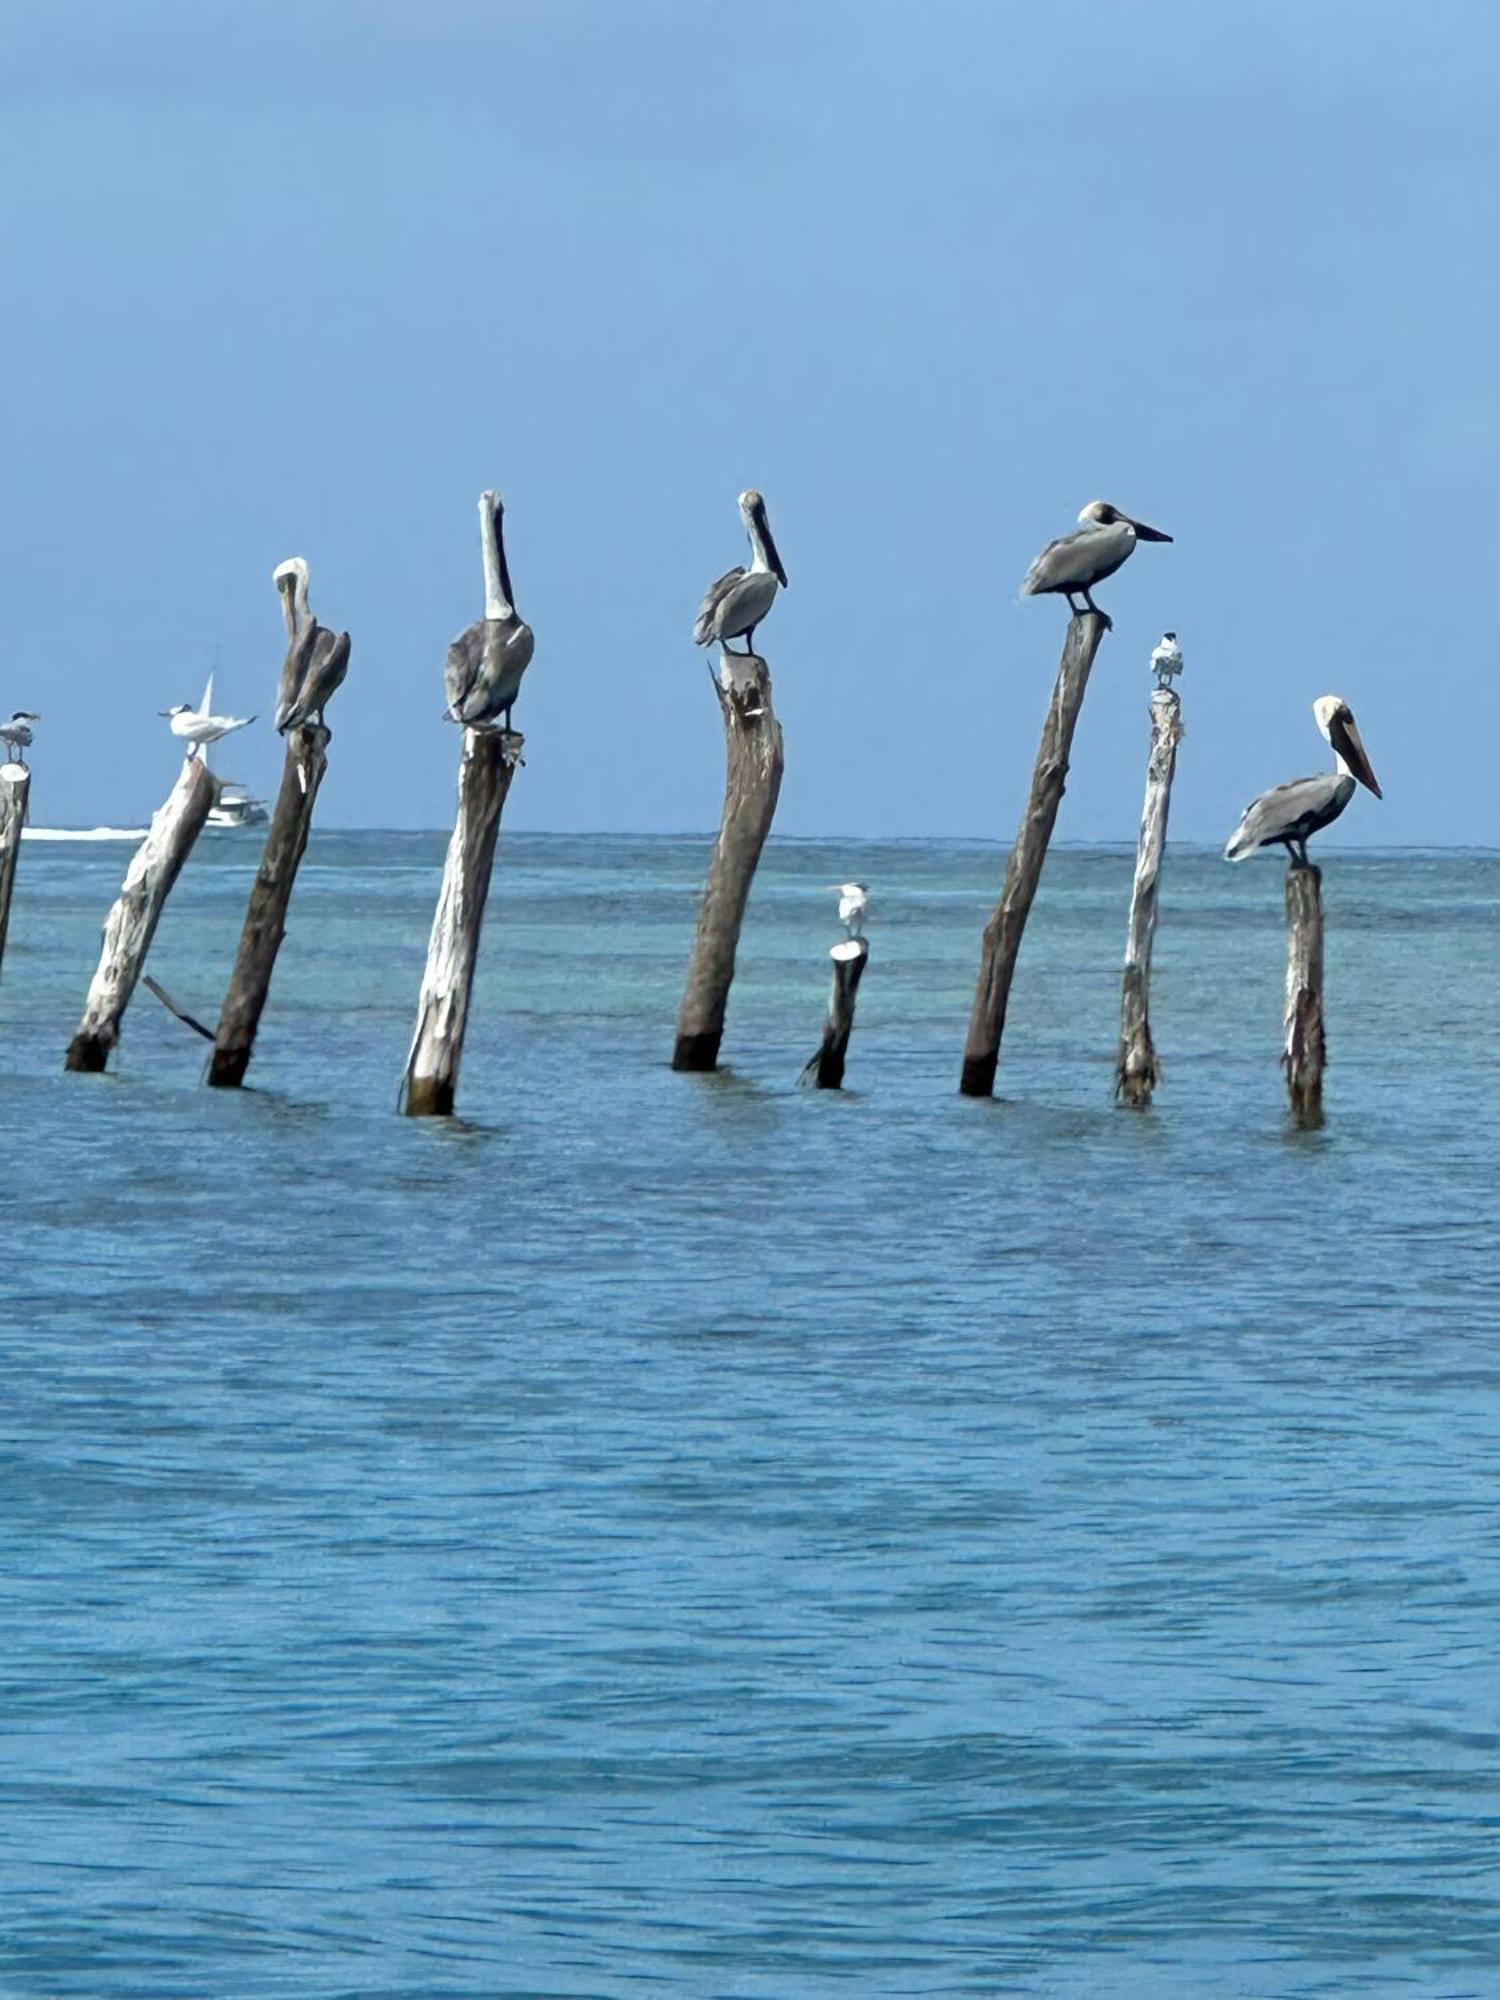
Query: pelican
{"type": "Point", "coordinates": [316, 659]}
{"type": "Point", "coordinates": [482, 674]}
{"type": "Point", "coordinates": [1070, 565]}
{"type": "Point", "coordinates": [735, 605]}
{"type": "Point", "coordinates": [1289, 815]}
{"type": "Point", "coordinates": [854, 900]}
{"type": "Point", "coordinates": [16, 733]}
{"type": "Point", "coordinates": [1166, 659]}
{"type": "Point", "coordinates": [197, 727]}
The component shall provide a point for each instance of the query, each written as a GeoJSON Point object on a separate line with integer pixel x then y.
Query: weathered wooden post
{"type": "Point", "coordinates": [132, 921]}
{"type": "Point", "coordinates": [1306, 1049]}
{"type": "Point", "coordinates": [826, 1068]}
{"type": "Point", "coordinates": [1136, 1069]}
{"type": "Point", "coordinates": [265, 919]}
{"type": "Point", "coordinates": [15, 788]}
{"type": "Point", "coordinates": [490, 757]}
{"type": "Point", "coordinates": [1002, 936]}
{"type": "Point", "coordinates": [753, 762]}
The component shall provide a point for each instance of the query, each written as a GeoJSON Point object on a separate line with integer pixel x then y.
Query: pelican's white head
{"type": "Point", "coordinates": [1335, 719]}
{"type": "Point", "coordinates": [290, 578]}
{"type": "Point", "coordinates": [1100, 514]}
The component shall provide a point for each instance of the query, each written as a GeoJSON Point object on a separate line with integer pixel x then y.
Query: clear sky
{"type": "Point", "coordinates": [300, 277]}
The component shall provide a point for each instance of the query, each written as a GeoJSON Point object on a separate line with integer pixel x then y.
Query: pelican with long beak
{"type": "Point", "coordinates": [734, 605]}
{"type": "Point", "coordinates": [482, 674]}
{"type": "Point", "coordinates": [1289, 815]}
{"type": "Point", "coordinates": [316, 659]}
{"type": "Point", "coordinates": [1073, 564]}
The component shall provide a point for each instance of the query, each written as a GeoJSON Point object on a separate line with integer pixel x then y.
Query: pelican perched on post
{"type": "Point", "coordinates": [854, 900]}
{"type": "Point", "coordinates": [1166, 659]}
{"type": "Point", "coordinates": [482, 674]}
{"type": "Point", "coordinates": [1289, 815]}
{"type": "Point", "coordinates": [1071, 565]}
{"type": "Point", "coordinates": [734, 605]}
{"type": "Point", "coordinates": [197, 727]}
{"type": "Point", "coordinates": [16, 734]}
{"type": "Point", "coordinates": [316, 659]}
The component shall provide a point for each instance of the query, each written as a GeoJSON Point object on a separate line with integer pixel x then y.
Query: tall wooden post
{"type": "Point", "coordinates": [15, 787]}
{"type": "Point", "coordinates": [1002, 936]}
{"type": "Point", "coordinates": [1306, 1048]}
{"type": "Point", "coordinates": [1136, 1070]}
{"type": "Point", "coordinates": [488, 765]}
{"type": "Point", "coordinates": [753, 761]}
{"type": "Point", "coordinates": [826, 1069]}
{"type": "Point", "coordinates": [131, 923]}
{"type": "Point", "coordinates": [265, 919]}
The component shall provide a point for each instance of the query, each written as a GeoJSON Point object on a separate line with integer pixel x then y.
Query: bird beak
{"type": "Point", "coordinates": [1343, 734]}
{"type": "Point", "coordinates": [1145, 534]}
{"type": "Point", "coordinates": [772, 556]}
{"type": "Point", "coordinates": [165, 713]}
{"type": "Point", "coordinates": [287, 585]}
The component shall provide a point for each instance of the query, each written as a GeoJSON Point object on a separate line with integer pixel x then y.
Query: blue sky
{"type": "Point", "coordinates": [302, 277]}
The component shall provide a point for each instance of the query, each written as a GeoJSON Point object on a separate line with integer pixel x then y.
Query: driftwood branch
{"type": "Point", "coordinates": [1002, 937]}
{"type": "Point", "coordinates": [15, 787]}
{"type": "Point", "coordinates": [488, 765]}
{"type": "Point", "coordinates": [132, 921]}
{"type": "Point", "coordinates": [753, 762]}
{"type": "Point", "coordinates": [826, 1069]}
{"type": "Point", "coordinates": [1306, 1048]}
{"type": "Point", "coordinates": [265, 919]}
{"type": "Point", "coordinates": [159, 992]}
{"type": "Point", "coordinates": [1137, 1072]}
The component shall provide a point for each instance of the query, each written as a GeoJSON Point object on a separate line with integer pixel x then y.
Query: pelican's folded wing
{"type": "Point", "coordinates": [703, 629]}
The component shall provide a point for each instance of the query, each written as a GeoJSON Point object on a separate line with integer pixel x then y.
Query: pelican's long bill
{"type": "Point", "coordinates": [1343, 734]}
{"type": "Point", "coordinates": [768, 540]}
{"type": "Point", "coordinates": [1145, 534]}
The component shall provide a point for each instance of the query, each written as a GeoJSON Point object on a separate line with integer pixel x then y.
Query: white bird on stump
{"type": "Point", "coordinates": [854, 900]}
{"type": "Point", "coordinates": [16, 734]}
{"type": "Point", "coordinates": [1166, 659]}
{"type": "Point", "coordinates": [197, 727]}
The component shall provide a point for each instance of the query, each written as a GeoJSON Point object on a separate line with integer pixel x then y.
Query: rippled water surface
{"type": "Point", "coordinates": [691, 1535]}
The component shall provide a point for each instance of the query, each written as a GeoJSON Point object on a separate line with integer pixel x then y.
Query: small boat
{"type": "Point", "coordinates": [235, 807]}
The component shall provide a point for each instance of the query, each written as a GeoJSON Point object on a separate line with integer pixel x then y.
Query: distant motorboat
{"type": "Point", "coordinates": [235, 807]}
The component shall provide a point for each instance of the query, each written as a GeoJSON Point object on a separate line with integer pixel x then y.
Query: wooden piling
{"type": "Point", "coordinates": [488, 765]}
{"type": "Point", "coordinates": [132, 921]}
{"type": "Point", "coordinates": [1002, 936]}
{"type": "Point", "coordinates": [15, 787]}
{"type": "Point", "coordinates": [753, 762]}
{"type": "Point", "coordinates": [826, 1069]}
{"type": "Point", "coordinates": [1136, 1070]}
{"type": "Point", "coordinates": [265, 919]}
{"type": "Point", "coordinates": [1306, 1048]}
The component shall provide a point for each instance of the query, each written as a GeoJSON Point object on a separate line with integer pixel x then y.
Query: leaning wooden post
{"type": "Point", "coordinates": [1136, 1071]}
{"type": "Point", "coordinates": [265, 919]}
{"type": "Point", "coordinates": [826, 1069]}
{"type": "Point", "coordinates": [15, 785]}
{"type": "Point", "coordinates": [1306, 1049]}
{"type": "Point", "coordinates": [753, 760]}
{"type": "Point", "coordinates": [1002, 936]}
{"type": "Point", "coordinates": [132, 921]}
{"type": "Point", "coordinates": [488, 765]}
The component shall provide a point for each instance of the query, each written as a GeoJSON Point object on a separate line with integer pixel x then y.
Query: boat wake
{"type": "Point", "coordinates": [84, 832]}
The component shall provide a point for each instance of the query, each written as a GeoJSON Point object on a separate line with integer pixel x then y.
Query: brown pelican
{"type": "Point", "coordinates": [1166, 659]}
{"type": "Point", "coordinates": [482, 674]}
{"type": "Point", "coordinates": [854, 900]}
{"type": "Point", "coordinates": [16, 734]}
{"type": "Point", "coordinates": [1071, 564]}
{"type": "Point", "coordinates": [316, 659]}
{"type": "Point", "coordinates": [1288, 815]}
{"type": "Point", "coordinates": [737, 602]}
{"type": "Point", "coordinates": [197, 726]}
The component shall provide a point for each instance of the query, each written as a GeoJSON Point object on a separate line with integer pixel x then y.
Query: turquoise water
{"type": "Point", "coordinates": [690, 1535]}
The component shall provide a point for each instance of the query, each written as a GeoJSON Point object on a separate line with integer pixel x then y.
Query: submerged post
{"type": "Point", "coordinates": [826, 1069]}
{"type": "Point", "coordinates": [488, 765]}
{"type": "Point", "coordinates": [15, 787]}
{"type": "Point", "coordinates": [753, 760]}
{"type": "Point", "coordinates": [131, 923]}
{"type": "Point", "coordinates": [1136, 1070]}
{"type": "Point", "coordinates": [1002, 936]}
{"type": "Point", "coordinates": [265, 918]}
{"type": "Point", "coordinates": [1306, 1049]}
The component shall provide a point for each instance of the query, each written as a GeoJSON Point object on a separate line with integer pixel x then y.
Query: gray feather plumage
{"type": "Point", "coordinates": [1080, 560]}
{"type": "Point", "coordinates": [482, 673]}
{"type": "Point", "coordinates": [1294, 811]}
{"type": "Point", "coordinates": [315, 665]}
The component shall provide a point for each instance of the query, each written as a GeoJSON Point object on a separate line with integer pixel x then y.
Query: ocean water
{"type": "Point", "coordinates": [690, 1535]}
